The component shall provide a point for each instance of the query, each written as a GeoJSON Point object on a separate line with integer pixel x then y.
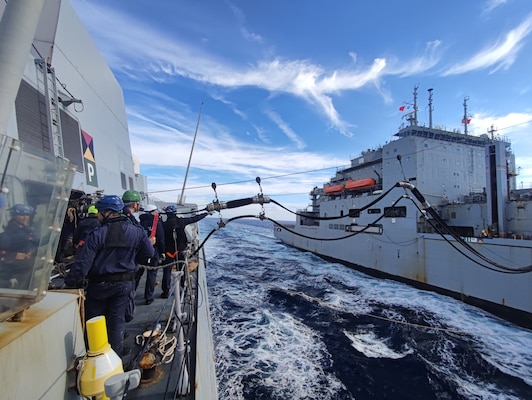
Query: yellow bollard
{"type": "Point", "coordinates": [101, 362]}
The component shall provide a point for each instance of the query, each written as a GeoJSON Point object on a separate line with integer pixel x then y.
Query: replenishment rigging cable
{"type": "Point", "coordinates": [506, 270]}
{"type": "Point", "coordinates": [455, 236]}
{"type": "Point", "coordinates": [439, 225]}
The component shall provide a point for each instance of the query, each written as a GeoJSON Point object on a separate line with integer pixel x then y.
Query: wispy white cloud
{"type": "Point", "coordinates": [492, 4]}
{"type": "Point", "coordinates": [285, 128]}
{"type": "Point", "coordinates": [417, 65]}
{"type": "Point", "coordinates": [502, 54]}
{"type": "Point", "coordinates": [261, 134]}
{"type": "Point", "coordinates": [514, 125]}
{"type": "Point", "coordinates": [241, 18]}
{"type": "Point", "coordinates": [252, 37]}
{"type": "Point", "coordinates": [229, 103]}
{"type": "Point", "coordinates": [516, 128]}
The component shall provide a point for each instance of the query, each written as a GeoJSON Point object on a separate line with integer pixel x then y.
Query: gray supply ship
{"type": "Point", "coordinates": [433, 208]}
{"type": "Point", "coordinates": [64, 141]}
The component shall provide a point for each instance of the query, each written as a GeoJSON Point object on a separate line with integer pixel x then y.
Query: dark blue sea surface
{"type": "Point", "coordinates": [289, 325]}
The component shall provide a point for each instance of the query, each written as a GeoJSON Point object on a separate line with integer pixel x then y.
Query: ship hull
{"type": "Point", "coordinates": [425, 261]}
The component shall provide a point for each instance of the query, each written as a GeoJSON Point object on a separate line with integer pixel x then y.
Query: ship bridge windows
{"type": "Point", "coordinates": [395, 212]}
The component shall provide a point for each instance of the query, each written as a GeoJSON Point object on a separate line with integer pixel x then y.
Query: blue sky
{"type": "Point", "coordinates": [291, 90]}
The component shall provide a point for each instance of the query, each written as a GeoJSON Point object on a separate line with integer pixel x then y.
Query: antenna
{"type": "Point", "coordinates": [181, 198]}
{"type": "Point", "coordinates": [465, 120]}
{"type": "Point", "coordinates": [415, 105]}
{"type": "Point", "coordinates": [411, 117]}
{"type": "Point", "coordinates": [430, 107]}
{"type": "Point", "coordinates": [492, 131]}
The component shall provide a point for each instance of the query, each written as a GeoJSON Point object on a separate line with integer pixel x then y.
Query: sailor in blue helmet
{"type": "Point", "coordinates": [18, 244]}
{"type": "Point", "coordinates": [176, 242]}
{"type": "Point", "coordinates": [108, 259]}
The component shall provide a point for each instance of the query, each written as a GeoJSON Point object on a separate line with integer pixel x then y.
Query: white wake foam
{"type": "Point", "coordinates": [372, 346]}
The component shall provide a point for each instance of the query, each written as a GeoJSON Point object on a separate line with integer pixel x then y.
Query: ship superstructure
{"type": "Point", "coordinates": [435, 208]}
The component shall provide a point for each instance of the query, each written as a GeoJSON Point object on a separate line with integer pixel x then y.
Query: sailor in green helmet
{"type": "Point", "coordinates": [131, 199]}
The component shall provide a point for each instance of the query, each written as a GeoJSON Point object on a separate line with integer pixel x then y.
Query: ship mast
{"type": "Point", "coordinates": [465, 121]}
{"type": "Point", "coordinates": [492, 131]}
{"type": "Point", "coordinates": [412, 116]}
{"type": "Point", "coordinates": [430, 107]}
{"type": "Point", "coordinates": [415, 104]}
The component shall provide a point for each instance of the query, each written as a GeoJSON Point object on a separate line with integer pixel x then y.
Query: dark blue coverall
{"type": "Point", "coordinates": [17, 253]}
{"type": "Point", "coordinates": [146, 220]}
{"type": "Point", "coordinates": [176, 243]}
{"type": "Point", "coordinates": [109, 260]}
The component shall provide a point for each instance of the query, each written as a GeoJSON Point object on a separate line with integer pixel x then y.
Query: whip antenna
{"type": "Point", "coordinates": [181, 198]}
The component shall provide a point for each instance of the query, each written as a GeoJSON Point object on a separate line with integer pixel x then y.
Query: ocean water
{"type": "Point", "coordinates": [289, 325]}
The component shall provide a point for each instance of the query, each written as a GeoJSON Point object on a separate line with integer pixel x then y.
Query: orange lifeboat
{"type": "Point", "coordinates": [359, 184]}
{"type": "Point", "coordinates": [330, 189]}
